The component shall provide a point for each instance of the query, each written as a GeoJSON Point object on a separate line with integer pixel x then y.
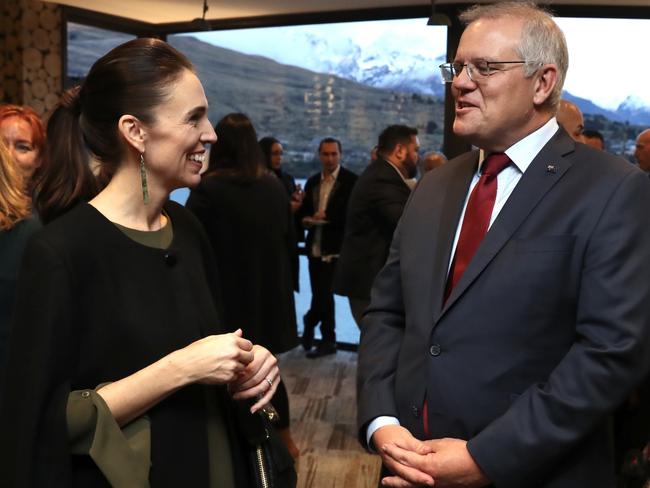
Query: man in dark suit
{"type": "Point", "coordinates": [323, 214]}
{"type": "Point", "coordinates": [375, 206]}
{"type": "Point", "coordinates": [494, 357]}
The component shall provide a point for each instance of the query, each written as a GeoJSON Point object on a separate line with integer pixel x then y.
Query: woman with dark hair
{"type": "Point", "coordinates": [273, 152]}
{"type": "Point", "coordinates": [22, 131]}
{"type": "Point", "coordinates": [60, 188]}
{"type": "Point", "coordinates": [247, 216]}
{"type": "Point", "coordinates": [121, 373]}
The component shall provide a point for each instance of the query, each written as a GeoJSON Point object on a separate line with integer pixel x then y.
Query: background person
{"type": "Point", "coordinates": [570, 118]}
{"type": "Point", "coordinates": [124, 359]}
{"type": "Point", "coordinates": [594, 138]}
{"type": "Point", "coordinates": [323, 214]}
{"type": "Point", "coordinates": [431, 160]}
{"type": "Point", "coordinates": [249, 223]}
{"type": "Point", "coordinates": [642, 150]}
{"type": "Point", "coordinates": [23, 133]}
{"type": "Point", "coordinates": [375, 206]}
{"type": "Point", "coordinates": [273, 153]}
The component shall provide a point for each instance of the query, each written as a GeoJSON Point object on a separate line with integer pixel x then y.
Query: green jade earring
{"type": "Point", "coordinates": [143, 180]}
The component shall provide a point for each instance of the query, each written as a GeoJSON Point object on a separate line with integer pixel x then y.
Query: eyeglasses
{"type": "Point", "coordinates": [476, 70]}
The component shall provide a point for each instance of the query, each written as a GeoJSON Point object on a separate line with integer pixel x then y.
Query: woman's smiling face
{"type": "Point", "coordinates": [175, 146]}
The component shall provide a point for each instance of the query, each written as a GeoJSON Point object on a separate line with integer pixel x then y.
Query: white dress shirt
{"type": "Point", "coordinates": [326, 185]}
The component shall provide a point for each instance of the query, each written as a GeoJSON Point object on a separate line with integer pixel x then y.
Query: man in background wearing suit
{"type": "Point", "coordinates": [513, 313]}
{"type": "Point", "coordinates": [375, 206]}
{"type": "Point", "coordinates": [323, 214]}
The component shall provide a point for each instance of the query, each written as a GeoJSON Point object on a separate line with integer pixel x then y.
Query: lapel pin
{"type": "Point", "coordinates": [551, 168]}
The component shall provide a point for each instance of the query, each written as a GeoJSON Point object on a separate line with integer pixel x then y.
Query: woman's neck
{"type": "Point", "coordinates": [122, 201]}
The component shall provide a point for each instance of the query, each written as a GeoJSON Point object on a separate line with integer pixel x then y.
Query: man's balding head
{"type": "Point", "coordinates": [642, 151]}
{"type": "Point", "coordinates": [570, 117]}
{"type": "Point", "coordinates": [432, 160]}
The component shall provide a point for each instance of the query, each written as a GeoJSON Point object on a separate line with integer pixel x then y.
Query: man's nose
{"type": "Point", "coordinates": [463, 81]}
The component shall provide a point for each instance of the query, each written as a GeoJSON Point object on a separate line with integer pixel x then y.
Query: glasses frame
{"type": "Point", "coordinates": [472, 71]}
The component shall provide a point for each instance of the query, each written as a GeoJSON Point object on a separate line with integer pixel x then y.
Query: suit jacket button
{"type": "Point", "coordinates": [416, 411]}
{"type": "Point", "coordinates": [435, 350]}
{"type": "Point", "coordinates": [170, 258]}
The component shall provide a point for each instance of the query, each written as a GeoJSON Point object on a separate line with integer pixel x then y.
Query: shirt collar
{"type": "Point", "coordinates": [334, 175]}
{"type": "Point", "coordinates": [524, 151]}
{"type": "Point", "coordinates": [405, 180]}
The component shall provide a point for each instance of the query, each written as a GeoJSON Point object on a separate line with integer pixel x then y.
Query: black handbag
{"type": "Point", "coordinates": [635, 472]}
{"type": "Point", "coordinates": [270, 464]}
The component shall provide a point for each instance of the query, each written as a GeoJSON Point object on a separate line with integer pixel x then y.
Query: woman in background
{"type": "Point", "coordinates": [247, 215]}
{"type": "Point", "coordinates": [16, 225]}
{"type": "Point", "coordinates": [22, 131]}
{"type": "Point", "coordinates": [273, 154]}
{"type": "Point", "coordinates": [121, 373]}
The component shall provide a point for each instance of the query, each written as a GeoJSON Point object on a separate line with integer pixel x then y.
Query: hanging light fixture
{"type": "Point", "coordinates": [199, 23]}
{"type": "Point", "coordinates": [437, 18]}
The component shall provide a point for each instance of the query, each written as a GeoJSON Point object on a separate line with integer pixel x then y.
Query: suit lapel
{"type": "Point", "coordinates": [445, 232]}
{"type": "Point", "coordinates": [544, 172]}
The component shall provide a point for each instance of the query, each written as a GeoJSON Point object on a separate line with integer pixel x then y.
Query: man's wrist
{"type": "Point", "coordinates": [377, 424]}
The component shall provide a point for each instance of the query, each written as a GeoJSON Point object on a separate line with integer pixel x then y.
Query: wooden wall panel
{"type": "Point", "coordinates": [30, 54]}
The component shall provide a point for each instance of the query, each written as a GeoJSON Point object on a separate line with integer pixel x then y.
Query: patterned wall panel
{"type": "Point", "coordinates": [30, 53]}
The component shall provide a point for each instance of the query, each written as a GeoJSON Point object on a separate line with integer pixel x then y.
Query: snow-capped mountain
{"type": "Point", "coordinates": [383, 62]}
{"type": "Point", "coordinates": [378, 65]}
{"type": "Point", "coordinates": [403, 59]}
{"type": "Point", "coordinates": [635, 109]}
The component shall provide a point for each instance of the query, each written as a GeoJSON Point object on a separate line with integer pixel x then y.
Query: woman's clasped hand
{"type": "Point", "coordinates": [250, 371]}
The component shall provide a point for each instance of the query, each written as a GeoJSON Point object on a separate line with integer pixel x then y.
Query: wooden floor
{"type": "Point", "coordinates": [323, 421]}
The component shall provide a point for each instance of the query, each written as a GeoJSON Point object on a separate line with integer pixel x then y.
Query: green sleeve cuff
{"type": "Point", "coordinates": [123, 455]}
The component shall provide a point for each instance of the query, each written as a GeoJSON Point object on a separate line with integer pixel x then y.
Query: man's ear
{"type": "Point", "coordinates": [400, 151]}
{"type": "Point", "coordinates": [132, 131]}
{"type": "Point", "coordinates": [545, 80]}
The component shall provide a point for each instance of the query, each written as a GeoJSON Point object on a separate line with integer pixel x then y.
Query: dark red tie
{"type": "Point", "coordinates": [475, 225]}
{"type": "Point", "coordinates": [477, 217]}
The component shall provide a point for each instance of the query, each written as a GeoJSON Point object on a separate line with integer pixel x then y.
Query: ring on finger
{"type": "Point", "coordinates": [270, 382]}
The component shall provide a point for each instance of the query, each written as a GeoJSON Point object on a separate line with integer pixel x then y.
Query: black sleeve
{"type": "Point", "coordinates": [34, 449]}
